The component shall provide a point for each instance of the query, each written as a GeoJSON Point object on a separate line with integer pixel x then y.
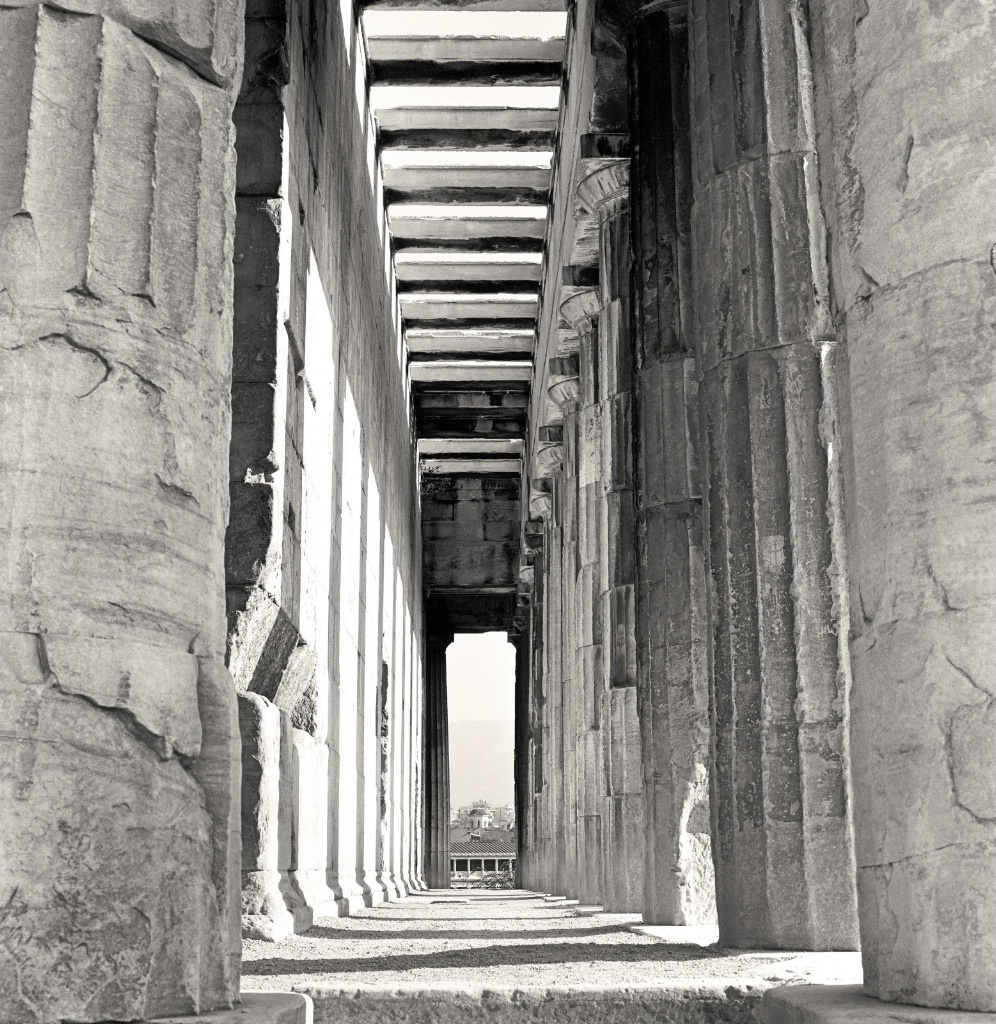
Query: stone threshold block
{"type": "Point", "coordinates": [848, 1004]}
{"type": "Point", "coordinates": [716, 1001]}
{"type": "Point", "coordinates": [255, 1008]}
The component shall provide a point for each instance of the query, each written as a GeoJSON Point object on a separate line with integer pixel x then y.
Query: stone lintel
{"type": "Point", "coordinates": [848, 1004]}
{"type": "Point", "coordinates": [256, 1008]}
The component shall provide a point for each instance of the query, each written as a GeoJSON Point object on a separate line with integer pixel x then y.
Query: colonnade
{"type": "Point", "coordinates": [765, 510]}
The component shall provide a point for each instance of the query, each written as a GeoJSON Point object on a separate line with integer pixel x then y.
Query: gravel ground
{"type": "Point", "coordinates": [508, 938]}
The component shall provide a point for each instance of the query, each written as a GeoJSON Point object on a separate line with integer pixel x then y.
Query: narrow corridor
{"type": "Point", "coordinates": [515, 940]}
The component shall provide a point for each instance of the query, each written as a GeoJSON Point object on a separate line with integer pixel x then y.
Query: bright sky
{"type": "Point", "coordinates": [480, 678]}
{"type": "Point", "coordinates": [480, 682]}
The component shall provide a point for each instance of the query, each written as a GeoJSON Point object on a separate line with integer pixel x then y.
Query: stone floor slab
{"type": "Point", "coordinates": [848, 1004]}
{"type": "Point", "coordinates": [256, 1008]}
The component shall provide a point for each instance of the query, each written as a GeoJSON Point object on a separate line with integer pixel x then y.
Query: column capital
{"type": "Point", "coordinates": [565, 382]}
{"type": "Point", "coordinates": [617, 18]}
{"type": "Point", "coordinates": [579, 306]}
{"type": "Point", "coordinates": [605, 191]}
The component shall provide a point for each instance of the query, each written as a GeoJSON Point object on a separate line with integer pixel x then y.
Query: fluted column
{"type": "Point", "coordinates": [437, 765]}
{"type": "Point", "coordinates": [563, 393]}
{"type": "Point", "coordinates": [779, 671]}
{"type": "Point", "coordinates": [605, 194]}
{"type": "Point", "coordinates": [671, 621]}
{"type": "Point", "coordinates": [580, 311]}
{"type": "Point", "coordinates": [119, 753]}
{"type": "Point", "coordinates": [909, 179]}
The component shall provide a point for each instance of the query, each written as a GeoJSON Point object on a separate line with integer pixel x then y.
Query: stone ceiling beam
{"type": "Point", "coordinates": [462, 371]}
{"type": "Point", "coordinates": [444, 266]}
{"type": "Point", "coordinates": [457, 118]}
{"type": "Point", "coordinates": [465, 5]}
{"type": "Point", "coordinates": [447, 174]}
{"type": "Point", "coordinates": [477, 139]}
{"type": "Point", "coordinates": [497, 194]}
{"type": "Point", "coordinates": [469, 343]}
{"type": "Point", "coordinates": [468, 306]}
{"type": "Point", "coordinates": [450, 467]}
{"type": "Point", "coordinates": [456, 72]}
{"type": "Point", "coordinates": [488, 49]}
{"type": "Point", "coordinates": [469, 446]}
{"type": "Point", "coordinates": [446, 222]}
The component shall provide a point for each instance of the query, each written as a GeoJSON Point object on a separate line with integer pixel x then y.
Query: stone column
{"type": "Point", "coordinates": [521, 757]}
{"type": "Point", "coordinates": [779, 675]}
{"type": "Point", "coordinates": [580, 311]}
{"type": "Point", "coordinates": [563, 393]}
{"type": "Point", "coordinates": [671, 621]}
{"type": "Point", "coordinates": [437, 765]}
{"type": "Point", "coordinates": [908, 179]}
{"type": "Point", "coordinates": [119, 756]}
{"type": "Point", "coordinates": [605, 195]}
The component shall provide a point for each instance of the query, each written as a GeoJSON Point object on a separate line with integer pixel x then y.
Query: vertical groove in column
{"type": "Point", "coordinates": [672, 647]}
{"type": "Point", "coordinates": [580, 311]}
{"type": "Point", "coordinates": [605, 193]}
{"type": "Point", "coordinates": [115, 425]}
{"type": "Point", "coordinates": [782, 844]}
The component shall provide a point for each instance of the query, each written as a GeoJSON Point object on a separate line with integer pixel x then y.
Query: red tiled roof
{"type": "Point", "coordinates": [493, 848]}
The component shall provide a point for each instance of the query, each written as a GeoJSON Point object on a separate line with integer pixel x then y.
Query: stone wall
{"type": "Point", "coordinates": [323, 552]}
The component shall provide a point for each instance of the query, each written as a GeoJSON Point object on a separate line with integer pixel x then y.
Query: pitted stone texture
{"type": "Point", "coordinates": [256, 1008]}
{"type": "Point", "coordinates": [106, 848]}
{"type": "Point", "coordinates": [116, 243]}
{"type": "Point", "coordinates": [909, 115]}
{"type": "Point", "coordinates": [847, 1004]}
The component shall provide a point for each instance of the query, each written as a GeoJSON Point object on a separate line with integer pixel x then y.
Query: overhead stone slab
{"type": "Point", "coordinates": [466, 266]}
{"type": "Point", "coordinates": [444, 467]}
{"type": "Point", "coordinates": [411, 220]}
{"type": "Point", "coordinates": [426, 169]}
{"type": "Point", "coordinates": [488, 371]}
{"type": "Point", "coordinates": [465, 5]}
{"type": "Point", "coordinates": [439, 107]}
{"type": "Point", "coordinates": [469, 342]}
{"type": "Point", "coordinates": [467, 306]}
{"type": "Point", "coordinates": [461, 446]}
{"type": "Point", "coordinates": [464, 35]}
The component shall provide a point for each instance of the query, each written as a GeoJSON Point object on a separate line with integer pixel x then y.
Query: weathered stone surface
{"type": "Point", "coordinates": [265, 914]}
{"type": "Point", "coordinates": [904, 180]}
{"type": "Point", "coordinates": [848, 1004]}
{"type": "Point", "coordinates": [90, 925]}
{"type": "Point", "coordinates": [116, 241]}
{"type": "Point", "coordinates": [256, 1008]}
{"type": "Point", "coordinates": [784, 862]}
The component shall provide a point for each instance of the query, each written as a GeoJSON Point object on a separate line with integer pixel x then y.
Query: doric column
{"type": "Point", "coordinates": [783, 848]}
{"type": "Point", "coordinates": [909, 180]}
{"type": "Point", "coordinates": [580, 311]}
{"type": "Point", "coordinates": [605, 194]}
{"type": "Point", "coordinates": [563, 393]}
{"type": "Point", "coordinates": [437, 765]}
{"type": "Point", "coordinates": [671, 621]}
{"type": "Point", "coordinates": [119, 751]}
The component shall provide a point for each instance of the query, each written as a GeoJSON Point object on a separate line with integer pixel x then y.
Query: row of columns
{"type": "Point", "coordinates": [714, 478]}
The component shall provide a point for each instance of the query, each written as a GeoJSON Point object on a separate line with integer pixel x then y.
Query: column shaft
{"type": "Point", "coordinates": [671, 622]}
{"type": "Point", "coordinates": [606, 194]}
{"type": "Point", "coordinates": [908, 183]}
{"type": "Point", "coordinates": [437, 766]}
{"type": "Point", "coordinates": [783, 849]}
{"type": "Point", "coordinates": [581, 312]}
{"type": "Point", "coordinates": [119, 756]}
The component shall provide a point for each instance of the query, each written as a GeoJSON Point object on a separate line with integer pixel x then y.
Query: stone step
{"type": "Point", "coordinates": [716, 1001]}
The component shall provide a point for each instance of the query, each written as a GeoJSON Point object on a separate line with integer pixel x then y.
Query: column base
{"type": "Point", "coordinates": [848, 1004]}
{"type": "Point", "coordinates": [256, 1008]}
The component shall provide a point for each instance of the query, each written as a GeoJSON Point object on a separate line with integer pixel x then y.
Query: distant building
{"type": "Point", "coordinates": [476, 853]}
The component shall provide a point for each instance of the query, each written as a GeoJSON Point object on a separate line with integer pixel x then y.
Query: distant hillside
{"type": "Point", "coordinates": [481, 762]}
